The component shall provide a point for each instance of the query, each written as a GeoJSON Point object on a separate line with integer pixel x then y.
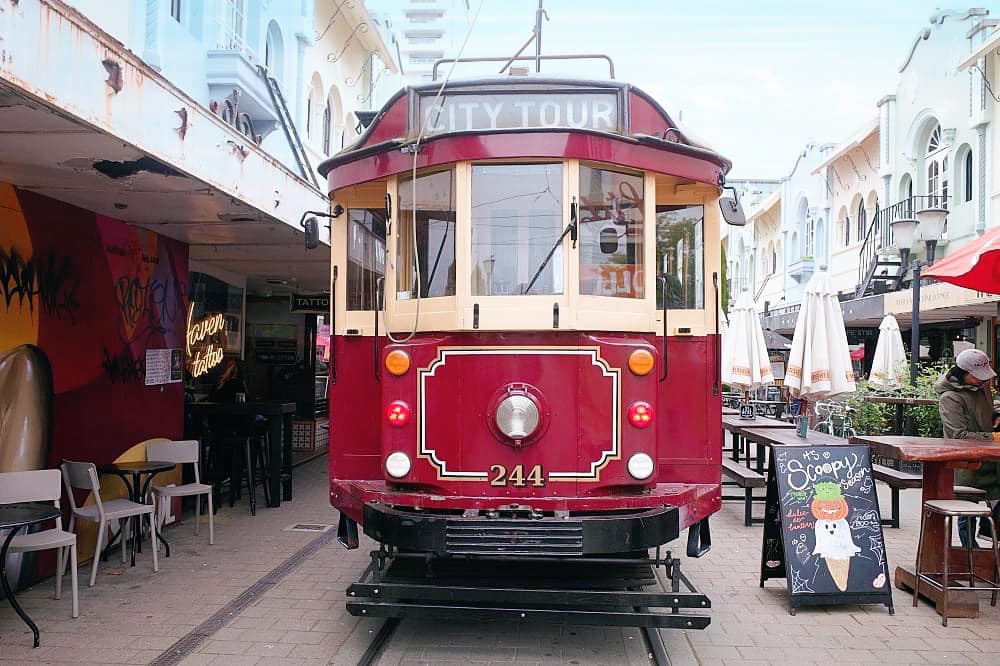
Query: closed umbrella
{"type": "Point", "coordinates": [746, 364]}
{"type": "Point", "coordinates": [889, 364]}
{"type": "Point", "coordinates": [819, 364]}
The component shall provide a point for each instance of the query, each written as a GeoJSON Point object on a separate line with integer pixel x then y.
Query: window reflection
{"type": "Point", "coordinates": [680, 256]}
{"type": "Point", "coordinates": [435, 220]}
{"type": "Point", "coordinates": [611, 228]}
{"type": "Point", "coordinates": [516, 220]}
{"type": "Point", "coordinates": [365, 256]}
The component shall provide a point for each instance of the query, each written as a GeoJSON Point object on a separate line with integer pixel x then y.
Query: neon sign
{"type": "Point", "coordinates": [207, 355]}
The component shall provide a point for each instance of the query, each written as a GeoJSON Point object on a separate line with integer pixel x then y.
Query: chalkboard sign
{"type": "Point", "coordinates": [747, 410]}
{"type": "Point", "coordinates": [822, 528]}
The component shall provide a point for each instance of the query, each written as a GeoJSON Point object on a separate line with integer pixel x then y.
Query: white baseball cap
{"type": "Point", "coordinates": [976, 363]}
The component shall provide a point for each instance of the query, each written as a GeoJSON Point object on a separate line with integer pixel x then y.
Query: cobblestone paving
{"type": "Point", "coordinates": [132, 615]}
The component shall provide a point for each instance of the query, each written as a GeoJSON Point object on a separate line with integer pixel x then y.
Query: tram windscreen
{"type": "Point", "coordinates": [680, 256]}
{"type": "Point", "coordinates": [611, 232]}
{"type": "Point", "coordinates": [435, 235]}
{"type": "Point", "coordinates": [365, 256]}
{"type": "Point", "coordinates": [517, 212]}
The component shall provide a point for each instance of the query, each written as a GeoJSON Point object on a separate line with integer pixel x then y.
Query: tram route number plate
{"type": "Point", "coordinates": [517, 476]}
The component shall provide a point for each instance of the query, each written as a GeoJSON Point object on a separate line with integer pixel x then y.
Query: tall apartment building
{"type": "Point", "coordinates": [425, 30]}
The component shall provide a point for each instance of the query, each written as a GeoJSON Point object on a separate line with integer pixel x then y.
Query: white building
{"type": "Point", "coordinates": [425, 30]}
{"type": "Point", "coordinates": [805, 216]}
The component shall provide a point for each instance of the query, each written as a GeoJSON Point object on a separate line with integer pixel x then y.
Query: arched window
{"type": "Point", "coordinates": [774, 257]}
{"type": "Point", "coordinates": [327, 115]}
{"type": "Point", "coordinates": [810, 238]}
{"type": "Point", "coordinates": [314, 104]}
{"type": "Point", "coordinates": [936, 168]}
{"type": "Point", "coordinates": [332, 122]}
{"type": "Point", "coordinates": [847, 230]}
{"type": "Point", "coordinates": [862, 220]}
{"type": "Point", "coordinates": [273, 51]}
{"type": "Point", "coordinates": [967, 170]}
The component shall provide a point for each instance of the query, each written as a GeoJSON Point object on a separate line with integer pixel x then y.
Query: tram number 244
{"type": "Point", "coordinates": [516, 476]}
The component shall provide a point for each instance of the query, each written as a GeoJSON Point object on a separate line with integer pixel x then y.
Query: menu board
{"type": "Point", "coordinates": [822, 527]}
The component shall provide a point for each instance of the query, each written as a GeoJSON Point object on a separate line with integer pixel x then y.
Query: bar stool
{"type": "Point", "coordinates": [975, 495]}
{"type": "Point", "coordinates": [950, 509]}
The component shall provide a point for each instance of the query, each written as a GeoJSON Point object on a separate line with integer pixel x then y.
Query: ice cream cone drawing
{"type": "Point", "coordinates": [833, 535]}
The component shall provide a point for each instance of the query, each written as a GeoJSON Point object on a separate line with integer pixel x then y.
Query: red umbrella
{"type": "Point", "coordinates": [975, 265]}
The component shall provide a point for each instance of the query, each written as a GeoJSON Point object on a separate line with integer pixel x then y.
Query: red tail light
{"type": "Point", "coordinates": [640, 414]}
{"type": "Point", "coordinates": [397, 413]}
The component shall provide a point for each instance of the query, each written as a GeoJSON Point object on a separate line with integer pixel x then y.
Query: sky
{"type": "Point", "coordinates": [755, 79]}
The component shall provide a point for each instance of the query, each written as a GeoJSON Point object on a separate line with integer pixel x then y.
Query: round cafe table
{"type": "Point", "coordinates": [137, 491]}
{"type": "Point", "coordinates": [14, 517]}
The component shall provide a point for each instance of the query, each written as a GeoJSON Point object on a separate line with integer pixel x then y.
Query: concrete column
{"type": "Point", "coordinates": [983, 189]}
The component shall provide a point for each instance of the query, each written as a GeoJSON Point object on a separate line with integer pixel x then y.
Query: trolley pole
{"type": "Point", "coordinates": [915, 325]}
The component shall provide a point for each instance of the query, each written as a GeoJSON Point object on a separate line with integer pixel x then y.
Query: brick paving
{"type": "Point", "coordinates": [133, 616]}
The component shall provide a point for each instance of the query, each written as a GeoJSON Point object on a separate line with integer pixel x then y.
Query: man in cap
{"type": "Point", "coordinates": [966, 406]}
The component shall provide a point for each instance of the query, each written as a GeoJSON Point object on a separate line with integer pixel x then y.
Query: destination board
{"type": "Point", "coordinates": [822, 527]}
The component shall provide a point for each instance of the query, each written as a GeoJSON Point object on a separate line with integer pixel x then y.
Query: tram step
{"type": "Point", "coordinates": [513, 538]}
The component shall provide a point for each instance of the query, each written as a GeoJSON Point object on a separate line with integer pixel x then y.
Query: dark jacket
{"type": "Point", "coordinates": [967, 413]}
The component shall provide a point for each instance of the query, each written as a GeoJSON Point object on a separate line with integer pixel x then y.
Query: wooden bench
{"type": "Point", "coordinates": [745, 478]}
{"type": "Point", "coordinates": [896, 480]}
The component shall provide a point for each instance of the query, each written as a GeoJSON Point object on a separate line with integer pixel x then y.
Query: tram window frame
{"type": "Point", "coordinates": [591, 236]}
{"type": "Point", "coordinates": [693, 297]}
{"type": "Point", "coordinates": [362, 278]}
{"type": "Point", "coordinates": [531, 248]}
{"type": "Point", "coordinates": [405, 278]}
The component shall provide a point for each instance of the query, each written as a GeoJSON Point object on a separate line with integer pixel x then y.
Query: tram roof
{"type": "Point", "coordinates": [495, 112]}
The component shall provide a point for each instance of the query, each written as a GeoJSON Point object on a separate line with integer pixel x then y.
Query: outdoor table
{"type": "Point", "coordinates": [279, 423]}
{"type": "Point", "coordinates": [940, 457]}
{"type": "Point", "coordinates": [729, 410]}
{"type": "Point", "coordinates": [137, 492]}
{"type": "Point", "coordinates": [770, 436]}
{"type": "Point", "coordinates": [772, 408]}
{"type": "Point", "coordinates": [14, 517]}
{"type": "Point", "coordinates": [733, 424]}
{"type": "Point", "coordinates": [900, 404]}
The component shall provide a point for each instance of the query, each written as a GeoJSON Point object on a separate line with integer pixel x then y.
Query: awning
{"type": "Point", "coordinates": [975, 265]}
{"type": "Point", "coordinates": [992, 42]}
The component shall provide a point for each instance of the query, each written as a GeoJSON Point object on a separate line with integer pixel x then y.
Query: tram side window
{"type": "Point", "coordinates": [611, 232]}
{"type": "Point", "coordinates": [435, 227]}
{"type": "Point", "coordinates": [680, 256]}
{"type": "Point", "coordinates": [517, 212]}
{"type": "Point", "coordinates": [365, 256]}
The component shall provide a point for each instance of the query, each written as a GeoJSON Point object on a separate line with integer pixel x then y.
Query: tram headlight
{"type": "Point", "coordinates": [641, 362]}
{"type": "Point", "coordinates": [640, 414]}
{"type": "Point", "coordinates": [517, 416]}
{"type": "Point", "coordinates": [397, 464]}
{"type": "Point", "coordinates": [640, 466]}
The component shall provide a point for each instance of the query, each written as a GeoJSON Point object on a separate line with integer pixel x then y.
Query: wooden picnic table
{"type": "Point", "coordinates": [900, 405]}
{"type": "Point", "coordinates": [940, 458]}
{"type": "Point", "coordinates": [736, 426]}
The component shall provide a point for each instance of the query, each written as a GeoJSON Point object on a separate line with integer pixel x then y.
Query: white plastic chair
{"type": "Point", "coordinates": [182, 453]}
{"type": "Point", "coordinates": [83, 475]}
{"type": "Point", "coordinates": [42, 486]}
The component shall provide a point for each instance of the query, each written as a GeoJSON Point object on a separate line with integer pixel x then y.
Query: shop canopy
{"type": "Point", "coordinates": [975, 265]}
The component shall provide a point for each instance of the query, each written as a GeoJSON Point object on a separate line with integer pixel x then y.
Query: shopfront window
{"type": "Point", "coordinates": [430, 204]}
{"type": "Point", "coordinates": [516, 220]}
{"type": "Point", "coordinates": [611, 232]}
{"type": "Point", "coordinates": [680, 256]}
{"type": "Point", "coordinates": [365, 256]}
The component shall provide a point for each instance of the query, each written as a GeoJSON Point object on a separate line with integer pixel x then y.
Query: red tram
{"type": "Point", "coordinates": [524, 354]}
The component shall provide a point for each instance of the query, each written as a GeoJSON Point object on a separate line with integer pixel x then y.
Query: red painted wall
{"type": "Point", "coordinates": [93, 293]}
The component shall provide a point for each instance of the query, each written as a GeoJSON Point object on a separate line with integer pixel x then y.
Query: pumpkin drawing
{"type": "Point", "coordinates": [828, 503]}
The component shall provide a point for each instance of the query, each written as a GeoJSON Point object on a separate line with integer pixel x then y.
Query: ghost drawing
{"type": "Point", "coordinates": [833, 535]}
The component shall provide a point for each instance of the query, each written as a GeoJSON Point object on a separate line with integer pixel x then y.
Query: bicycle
{"type": "Point", "coordinates": [832, 412]}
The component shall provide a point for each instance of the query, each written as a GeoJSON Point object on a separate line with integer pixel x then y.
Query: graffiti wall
{"type": "Point", "coordinates": [82, 298]}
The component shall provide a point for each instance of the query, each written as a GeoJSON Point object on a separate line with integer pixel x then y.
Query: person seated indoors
{"type": "Point", "coordinates": [966, 407]}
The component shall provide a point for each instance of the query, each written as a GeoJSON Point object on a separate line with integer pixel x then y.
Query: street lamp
{"type": "Point", "coordinates": [931, 222]}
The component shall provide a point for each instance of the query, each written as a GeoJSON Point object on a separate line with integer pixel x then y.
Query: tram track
{"type": "Point", "coordinates": [377, 647]}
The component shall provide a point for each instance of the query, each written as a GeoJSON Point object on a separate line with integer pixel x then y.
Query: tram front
{"type": "Point", "coordinates": [524, 357]}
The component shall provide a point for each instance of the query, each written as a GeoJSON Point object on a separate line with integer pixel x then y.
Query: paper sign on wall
{"type": "Point", "coordinates": [164, 366]}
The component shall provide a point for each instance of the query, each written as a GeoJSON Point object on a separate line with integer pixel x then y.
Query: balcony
{"type": "Point", "coordinates": [802, 269]}
{"type": "Point", "coordinates": [236, 90]}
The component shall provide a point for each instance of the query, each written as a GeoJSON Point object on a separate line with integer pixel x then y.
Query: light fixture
{"type": "Point", "coordinates": [397, 464]}
{"type": "Point", "coordinates": [903, 232]}
{"type": "Point", "coordinates": [397, 362]}
{"type": "Point", "coordinates": [640, 466]}
{"type": "Point", "coordinates": [641, 362]}
{"type": "Point", "coordinates": [517, 416]}
{"type": "Point", "coordinates": [640, 414]}
{"type": "Point", "coordinates": [397, 413]}
{"type": "Point", "coordinates": [932, 221]}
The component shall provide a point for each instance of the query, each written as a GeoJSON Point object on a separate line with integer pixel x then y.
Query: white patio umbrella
{"type": "Point", "coordinates": [819, 364]}
{"type": "Point", "coordinates": [889, 364]}
{"type": "Point", "coordinates": [746, 364]}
